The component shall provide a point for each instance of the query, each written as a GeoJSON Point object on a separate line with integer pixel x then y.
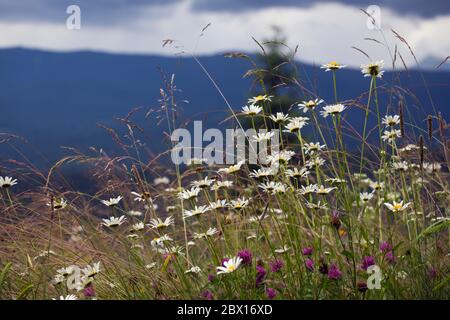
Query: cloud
{"type": "Point", "coordinates": [99, 11]}
{"type": "Point", "coordinates": [417, 7]}
{"type": "Point", "coordinates": [120, 11]}
{"type": "Point", "coordinates": [324, 32]}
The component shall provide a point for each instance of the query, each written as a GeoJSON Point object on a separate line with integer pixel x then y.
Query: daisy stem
{"type": "Point", "coordinates": [11, 203]}
{"type": "Point", "coordinates": [365, 126]}
{"type": "Point", "coordinates": [378, 111]}
{"type": "Point", "coordinates": [300, 139]}
{"type": "Point", "coordinates": [335, 87]}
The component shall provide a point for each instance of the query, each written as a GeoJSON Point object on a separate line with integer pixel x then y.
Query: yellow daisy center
{"type": "Point", "coordinates": [333, 65]}
{"type": "Point", "coordinates": [231, 268]}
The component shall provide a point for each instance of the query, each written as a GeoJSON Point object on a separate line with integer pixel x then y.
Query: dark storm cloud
{"type": "Point", "coordinates": [97, 11]}
{"type": "Point", "coordinates": [120, 11]}
{"type": "Point", "coordinates": [419, 7]}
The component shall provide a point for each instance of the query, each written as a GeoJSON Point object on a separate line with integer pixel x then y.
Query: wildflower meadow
{"type": "Point", "coordinates": [322, 210]}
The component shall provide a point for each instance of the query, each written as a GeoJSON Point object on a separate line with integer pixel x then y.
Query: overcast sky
{"type": "Point", "coordinates": [325, 30]}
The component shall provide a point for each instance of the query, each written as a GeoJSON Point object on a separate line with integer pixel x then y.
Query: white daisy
{"type": "Point", "coordinates": [58, 204]}
{"type": "Point", "coordinates": [134, 213]}
{"type": "Point", "coordinates": [375, 185]}
{"type": "Point", "coordinates": [283, 249]}
{"type": "Point", "coordinates": [365, 196]}
{"type": "Point", "coordinates": [262, 173]}
{"type": "Point", "coordinates": [273, 187]}
{"type": "Point", "coordinates": [204, 183]}
{"type": "Point", "coordinates": [317, 206]}
{"type": "Point", "coordinates": [295, 173]}
{"type": "Point", "coordinates": [322, 190]}
{"type": "Point", "coordinates": [160, 241]}
{"type": "Point", "coordinates": [132, 236]}
{"type": "Point", "coordinates": [7, 182]}
{"type": "Point", "coordinates": [171, 208]}
{"type": "Point", "coordinates": [233, 169]}
{"type": "Point", "coordinates": [432, 167]}
{"type": "Point", "coordinates": [306, 190]}
{"type": "Point", "coordinates": [409, 147]}
{"type": "Point", "coordinates": [222, 185]}
{"type": "Point", "coordinates": [391, 135]}
{"type": "Point", "coordinates": [251, 110]}
{"type": "Point", "coordinates": [397, 206]}
{"type": "Point", "coordinates": [295, 124]}
{"type": "Point", "coordinates": [141, 197]}
{"type": "Point", "coordinates": [174, 250]}
{"type": "Point", "coordinates": [311, 147]}
{"type": "Point", "coordinates": [161, 180]}
{"type": "Point", "coordinates": [112, 201]}
{"type": "Point", "coordinates": [332, 66]}
{"type": "Point", "coordinates": [59, 278]}
{"type": "Point", "coordinates": [194, 270]}
{"type": "Point", "coordinates": [263, 136]}
{"type": "Point", "coordinates": [309, 105]}
{"type": "Point", "coordinates": [65, 271]}
{"type": "Point", "coordinates": [219, 204]}
{"type": "Point", "coordinates": [280, 117]}
{"type": "Point", "coordinates": [92, 270]}
{"type": "Point", "coordinates": [239, 203]}
{"type": "Point", "coordinates": [138, 227]}
{"type": "Point", "coordinates": [315, 162]}
{"type": "Point", "coordinates": [195, 212]}
{"type": "Point", "coordinates": [335, 181]}
{"type": "Point", "coordinates": [332, 109]}
{"type": "Point", "coordinates": [209, 233]}
{"type": "Point", "coordinates": [189, 194]}
{"type": "Point", "coordinates": [160, 224]}
{"type": "Point", "coordinates": [44, 254]}
{"type": "Point", "coordinates": [281, 157]}
{"type": "Point", "coordinates": [401, 166]}
{"type": "Point", "coordinates": [374, 69]}
{"type": "Point", "coordinates": [260, 98]}
{"type": "Point", "coordinates": [68, 297]}
{"type": "Point", "coordinates": [391, 121]}
{"type": "Point", "coordinates": [150, 265]}
{"type": "Point", "coordinates": [113, 221]}
{"type": "Point", "coordinates": [230, 265]}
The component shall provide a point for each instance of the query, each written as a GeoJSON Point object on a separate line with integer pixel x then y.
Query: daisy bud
{"type": "Point", "coordinates": [362, 286]}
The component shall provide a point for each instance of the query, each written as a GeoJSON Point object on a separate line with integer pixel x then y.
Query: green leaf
{"type": "Point", "coordinates": [442, 283]}
{"type": "Point", "coordinates": [25, 291]}
{"type": "Point", "coordinates": [4, 274]}
{"type": "Point", "coordinates": [434, 228]}
{"type": "Point", "coordinates": [347, 254]}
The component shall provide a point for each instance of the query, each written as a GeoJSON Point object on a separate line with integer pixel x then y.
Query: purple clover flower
{"type": "Point", "coordinates": [89, 291]}
{"type": "Point", "coordinates": [309, 264]}
{"type": "Point", "coordinates": [390, 257]}
{"type": "Point", "coordinates": [246, 257]}
{"type": "Point", "coordinates": [367, 262]}
{"type": "Point", "coordinates": [260, 275]}
{"type": "Point", "coordinates": [207, 295]}
{"type": "Point", "coordinates": [307, 251]}
{"type": "Point", "coordinates": [271, 293]}
{"type": "Point", "coordinates": [334, 273]}
{"type": "Point", "coordinates": [276, 265]}
{"type": "Point", "coordinates": [385, 246]}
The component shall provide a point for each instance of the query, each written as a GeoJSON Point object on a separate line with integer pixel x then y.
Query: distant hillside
{"type": "Point", "coordinates": [58, 99]}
